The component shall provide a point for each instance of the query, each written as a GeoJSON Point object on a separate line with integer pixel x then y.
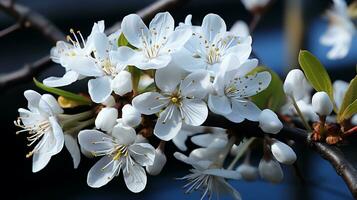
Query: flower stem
{"type": "Point", "coordinates": [307, 126]}
{"type": "Point", "coordinates": [243, 147]}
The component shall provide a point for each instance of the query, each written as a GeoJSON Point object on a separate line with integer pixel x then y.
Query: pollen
{"type": "Point", "coordinates": [174, 99]}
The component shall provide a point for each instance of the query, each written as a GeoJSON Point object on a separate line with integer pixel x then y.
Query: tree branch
{"type": "Point", "coordinates": [332, 154]}
{"type": "Point", "coordinates": [26, 16]}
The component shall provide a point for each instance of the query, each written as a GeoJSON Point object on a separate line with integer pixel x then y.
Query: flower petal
{"type": "Point", "coordinates": [168, 78]}
{"type": "Point", "coordinates": [160, 61]}
{"type": "Point", "coordinates": [135, 177]}
{"type": "Point", "coordinates": [52, 103]}
{"type": "Point", "coordinates": [212, 25]}
{"type": "Point", "coordinates": [142, 153]}
{"type": "Point", "coordinates": [177, 39]}
{"type": "Point", "coordinates": [230, 174]}
{"type": "Point", "coordinates": [205, 140]}
{"type": "Point", "coordinates": [195, 111]}
{"type": "Point", "coordinates": [68, 78]}
{"type": "Point", "coordinates": [102, 172]}
{"type": "Point", "coordinates": [253, 84]}
{"type": "Point", "coordinates": [124, 56]}
{"type": "Point", "coordinates": [72, 146]}
{"type": "Point", "coordinates": [99, 89]}
{"type": "Point", "coordinates": [134, 29]}
{"type": "Point", "coordinates": [245, 109]}
{"type": "Point", "coordinates": [122, 83]}
{"type": "Point", "coordinates": [161, 26]}
{"type": "Point", "coordinates": [219, 104]}
{"type": "Point", "coordinates": [57, 136]}
{"type": "Point", "coordinates": [196, 84]}
{"type": "Point", "coordinates": [83, 65]}
{"type": "Point", "coordinates": [168, 124]}
{"type": "Point", "coordinates": [93, 141]}
{"type": "Point", "coordinates": [39, 161]}
{"type": "Point", "coordinates": [101, 45]}
{"type": "Point", "coordinates": [149, 103]}
{"type": "Point", "coordinates": [33, 99]}
{"type": "Point", "coordinates": [124, 134]}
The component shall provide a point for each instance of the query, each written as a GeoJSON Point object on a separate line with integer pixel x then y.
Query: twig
{"type": "Point", "coordinates": [10, 29]}
{"type": "Point", "coordinates": [28, 18]}
{"type": "Point", "coordinates": [25, 73]}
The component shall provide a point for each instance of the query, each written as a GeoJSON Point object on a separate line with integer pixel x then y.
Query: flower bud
{"type": "Point", "coordinates": [106, 119]}
{"type": "Point", "coordinates": [269, 122]}
{"type": "Point", "coordinates": [354, 120]}
{"type": "Point", "coordinates": [130, 116]}
{"type": "Point", "coordinates": [248, 172]}
{"type": "Point", "coordinates": [283, 152]}
{"type": "Point", "coordinates": [109, 102]}
{"type": "Point", "coordinates": [294, 84]}
{"type": "Point", "coordinates": [270, 170]}
{"type": "Point", "coordinates": [159, 163]}
{"type": "Point", "coordinates": [254, 5]}
{"type": "Point", "coordinates": [122, 84]}
{"type": "Point", "coordinates": [141, 139]}
{"type": "Point", "coordinates": [321, 104]}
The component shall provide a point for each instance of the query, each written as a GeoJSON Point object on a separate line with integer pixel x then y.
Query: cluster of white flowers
{"type": "Point", "coordinates": [197, 69]}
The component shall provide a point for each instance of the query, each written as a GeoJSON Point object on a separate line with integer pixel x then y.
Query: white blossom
{"type": "Point", "coordinates": [340, 31]}
{"type": "Point", "coordinates": [295, 85]}
{"type": "Point", "coordinates": [120, 152]}
{"type": "Point", "coordinates": [180, 100]}
{"type": "Point", "coordinates": [207, 174]}
{"type": "Point", "coordinates": [233, 87]}
{"type": "Point", "coordinates": [154, 45]}
{"type": "Point", "coordinates": [210, 44]}
{"type": "Point", "coordinates": [130, 116]}
{"type": "Point", "coordinates": [41, 123]}
{"type": "Point", "coordinates": [106, 119]}
{"type": "Point", "coordinates": [254, 4]}
{"type": "Point", "coordinates": [159, 163]}
{"type": "Point", "coordinates": [247, 171]}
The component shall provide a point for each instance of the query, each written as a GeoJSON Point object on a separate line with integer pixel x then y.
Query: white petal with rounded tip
{"type": "Point", "coordinates": [68, 78]}
{"type": "Point", "coordinates": [124, 56]}
{"type": "Point", "coordinates": [33, 99]}
{"type": "Point", "coordinates": [83, 65]}
{"type": "Point", "coordinates": [195, 84]}
{"type": "Point", "coordinates": [194, 112]}
{"type": "Point", "coordinates": [248, 172]}
{"type": "Point", "coordinates": [180, 140]}
{"type": "Point", "coordinates": [88, 140]}
{"type": "Point", "coordinates": [243, 110]}
{"type": "Point", "coordinates": [163, 25]}
{"type": "Point", "coordinates": [72, 146]}
{"type": "Point", "coordinates": [109, 102]}
{"type": "Point", "coordinates": [57, 136]}
{"type": "Point", "coordinates": [149, 103]}
{"type": "Point", "coordinates": [321, 104]}
{"type": "Point", "coordinates": [102, 172]}
{"type": "Point", "coordinates": [270, 170]}
{"type": "Point", "coordinates": [158, 62]}
{"type": "Point", "coordinates": [283, 153]}
{"type": "Point", "coordinates": [230, 174]}
{"type": "Point", "coordinates": [247, 67]}
{"type": "Point", "coordinates": [142, 153]}
{"type": "Point", "coordinates": [251, 85]}
{"type": "Point", "coordinates": [168, 124]}
{"type": "Point", "coordinates": [134, 29]}
{"type": "Point", "coordinates": [240, 28]}
{"type": "Point", "coordinates": [106, 119]}
{"type": "Point", "coordinates": [219, 104]}
{"type": "Point", "coordinates": [101, 45]}
{"type": "Point", "coordinates": [122, 84]}
{"type": "Point", "coordinates": [135, 177]}
{"type": "Point", "coordinates": [52, 103]}
{"type": "Point", "coordinates": [124, 134]}
{"type": "Point", "coordinates": [159, 163]}
{"type": "Point", "coordinates": [99, 89]}
{"type": "Point", "coordinates": [177, 39]}
{"type": "Point", "coordinates": [39, 161]}
{"type": "Point", "coordinates": [293, 84]}
{"type": "Point", "coordinates": [205, 140]}
{"type": "Point", "coordinates": [209, 154]}
{"type": "Point", "coordinates": [212, 25]}
{"type": "Point", "coordinates": [168, 78]}
{"type": "Point", "coordinates": [269, 122]}
{"type": "Point", "coordinates": [130, 116]}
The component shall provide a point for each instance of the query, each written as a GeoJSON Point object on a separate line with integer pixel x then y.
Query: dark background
{"type": "Point", "coordinates": [59, 181]}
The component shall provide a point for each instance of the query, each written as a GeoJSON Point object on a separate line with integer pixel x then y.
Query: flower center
{"type": "Point", "coordinates": [121, 150]}
{"type": "Point", "coordinates": [75, 41]}
{"type": "Point", "coordinates": [108, 68]}
{"type": "Point", "coordinates": [35, 131]}
{"type": "Point", "coordinates": [213, 55]}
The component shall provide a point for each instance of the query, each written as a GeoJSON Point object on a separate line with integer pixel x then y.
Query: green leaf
{"type": "Point", "coordinates": [273, 96]}
{"type": "Point", "coordinates": [135, 77]}
{"type": "Point", "coordinates": [349, 99]}
{"type": "Point", "coordinates": [315, 73]}
{"type": "Point", "coordinates": [350, 111]}
{"type": "Point", "coordinates": [122, 41]}
{"type": "Point", "coordinates": [69, 95]}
